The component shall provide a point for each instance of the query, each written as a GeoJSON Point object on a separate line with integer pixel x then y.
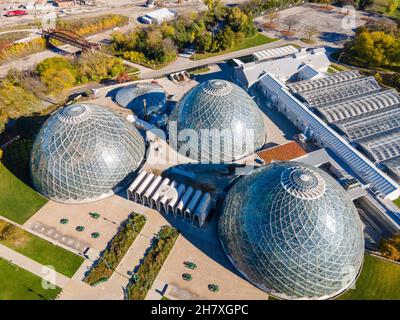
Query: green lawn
{"type": "Point", "coordinates": [336, 68]}
{"type": "Point", "coordinates": [379, 280]}
{"type": "Point", "coordinates": [380, 6]}
{"type": "Point", "coordinates": [254, 41]}
{"type": "Point", "coordinates": [18, 202]}
{"type": "Point", "coordinates": [18, 284]}
{"type": "Point", "coordinates": [42, 251]}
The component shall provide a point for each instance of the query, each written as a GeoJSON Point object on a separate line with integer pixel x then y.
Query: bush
{"type": "Point", "coordinates": [390, 248]}
{"type": "Point", "coordinates": [56, 63]}
{"type": "Point", "coordinates": [97, 66]}
{"type": "Point", "coordinates": [92, 25]}
{"type": "Point", "coordinates": [21, 50]}
{"type": "Point", "coordinates": [9, 232]}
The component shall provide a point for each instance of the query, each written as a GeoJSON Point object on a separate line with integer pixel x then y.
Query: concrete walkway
{"type": "Point", "coordinates": [32, 266]}
{"type": "Point", "coordinates": [114, 288]}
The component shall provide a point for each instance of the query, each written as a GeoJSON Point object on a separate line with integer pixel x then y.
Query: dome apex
{"type": "Point", "coordinates": [217, 87]}
{"type": "Point", "coordinates": [303, 182]}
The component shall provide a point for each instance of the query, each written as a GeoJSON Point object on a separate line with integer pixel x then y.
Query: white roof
{"type": "Point", "coordinates": [275, 53]}
{"type": "Point", "coordinates": [364, 168]}
{"type": "Point", "coordinates": [160, 13]}
{"type": "Point", "coordinates": [286, 67]}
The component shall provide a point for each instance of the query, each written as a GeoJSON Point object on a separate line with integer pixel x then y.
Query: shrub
{"type": "Point", "coordinates": [21, 50]}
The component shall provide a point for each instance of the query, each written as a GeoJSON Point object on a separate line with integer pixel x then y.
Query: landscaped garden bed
{"type": "Point", "coordinates": [112, 256]}
{"type": "Point", "coordinates": [152, 263]}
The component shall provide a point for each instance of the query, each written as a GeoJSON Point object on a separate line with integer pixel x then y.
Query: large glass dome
{"type": "Point", "coordinates": [225, 123]}
{"type": "Point", "coordinates": [291, 230]}
{"type": "Point", "coordinates": [83, 152]}
{"type": "Point", "coordinates": [144, 99]}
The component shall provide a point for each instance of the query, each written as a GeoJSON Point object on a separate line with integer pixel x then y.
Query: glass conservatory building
{"type": "Point", "coordinates": [144, 99]}
{"type": "Point", "coordinates": [215, 122]}
{"type": "Point", "coordinates": [292, 231]}
{"type": "Point", "coordinates": [83, 153]}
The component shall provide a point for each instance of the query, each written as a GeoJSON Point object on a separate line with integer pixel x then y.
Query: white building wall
{"type": "Point", "coordinates": [155, 198]}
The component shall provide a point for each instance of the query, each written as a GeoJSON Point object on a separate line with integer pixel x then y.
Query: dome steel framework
{"type": "Point", "coordinates": [226, 122]}
{"type": "Point", "coordinates": [83, 152]}
{"type": "Point", "coordinates": [291, 230]}
{"type": "Point", "coordinates": [144, 99]}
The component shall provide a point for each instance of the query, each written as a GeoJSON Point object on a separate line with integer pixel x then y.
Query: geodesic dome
{"type": "Point", "coordinates": [83, 152]}
{"type": "Point", "coordinates": [223, 122]}
{"type": "Point", "coordinates": [292, 231]}
{"type": "Point", "coordinates": [144, 99]}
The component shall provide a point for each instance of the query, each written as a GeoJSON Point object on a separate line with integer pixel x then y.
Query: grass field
{"type": "Point", "coordinates": [42, 251]}
{"type": "Point", "coordinates": [379, 280]}
{"type": "Point", "coordinates": [18, 202]}
{"type": "Point", "coordinates": [19, 284]}
{"type": "Point", "coordinates": [254, 41]}
{"type": "Point", "coordinates": [380, 6]}
{"type": "Point", "coordinates": [397, 202]}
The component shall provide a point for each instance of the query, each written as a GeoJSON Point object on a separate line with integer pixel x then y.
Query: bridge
{"type": "Point", "coordinates": [71, 38]}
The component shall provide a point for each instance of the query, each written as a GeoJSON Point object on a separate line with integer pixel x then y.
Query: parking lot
{"type": "Point", "coordinates": [333, 25]}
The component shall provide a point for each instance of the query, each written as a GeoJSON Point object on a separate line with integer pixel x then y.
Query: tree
{"type": "Point", "coordinates": [364, 3]}
{"type": "Point", "coordinates": [290, 22]}
{"type": "Point", "coordinates": [225, 38]}
{"type": "Point", "coordinates": [56, 63]}
{"type": "Point", "coordinates": [311, 31]}
{"type": "Point", "coordinates": [374, 48]}
{"type": "Point", "coordinates": [271, 17]}
{"type": "Point", "coordinates": [204, 43]}
{"type": "Point", "coordinates": [57, 81]}
{"type": "Point", "coordinates": [123, 77]}
{"type": "Point", "coordinates": [390, 248]}
{"type": "Point", "coordinates": [327, 3]}
{"type": "Point", "coordinates": [95, 66]}
{"type": "Point", "coordinates": [15, 101]}
{"type": "Point", "coordinates": [392, 6]}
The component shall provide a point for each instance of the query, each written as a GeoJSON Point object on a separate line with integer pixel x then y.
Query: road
{"type": "Point", "coordinates": [133, 11]}
{"type": "Point", "coordinates": [184, 63]}
{"type": "Point", "coordinates": [30, 61]}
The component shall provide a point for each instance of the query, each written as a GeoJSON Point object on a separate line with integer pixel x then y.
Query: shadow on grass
{"type": "Point", "coordinates": [17, 141]}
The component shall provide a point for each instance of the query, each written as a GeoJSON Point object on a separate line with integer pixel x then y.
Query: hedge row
{"type": "Point", "coordinates": [112, 256]}
{"type": "Point", "coordinates": [152, 263]}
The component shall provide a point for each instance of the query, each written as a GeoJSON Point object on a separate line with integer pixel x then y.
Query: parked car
{"type": "Point", "coordinates": [14, 13]}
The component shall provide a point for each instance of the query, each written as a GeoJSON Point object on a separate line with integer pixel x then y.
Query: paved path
{"type": "Point", "coordinates": [114, 288]}
{"type": "Point", "coordinates": [32, 266]}
{"type": "Point", "coordinates": [185, 63]}
{"type": "Point", "coordinates": [116, 285]}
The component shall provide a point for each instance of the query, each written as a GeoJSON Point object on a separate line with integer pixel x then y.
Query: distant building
{"type": "Point", "coordinates": [284, 65]}
{"type": "Point", "coordinates": [40, 4]}
{"type": "Point", "coordinates": [65, 3]}
{"type": "Point", "coordinates": [150, 3]}
{"type": "Point", "coordinates": [158, 16]}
